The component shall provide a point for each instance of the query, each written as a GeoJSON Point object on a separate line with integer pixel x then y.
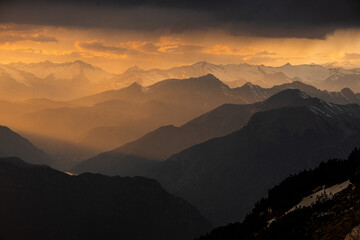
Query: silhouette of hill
{"type": "Point", "coordinates": [38, 202]}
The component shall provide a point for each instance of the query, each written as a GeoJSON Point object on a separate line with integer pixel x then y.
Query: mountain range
{"type": "Point", "coordinates": [235, 75]}
{"type": "Point", "coordinates": [58, 81]}
{"type": "Point", "coordinates": [248, 93]}
{"type": "Point", "coordinates": [132, 111]}
{"type": "Point", "coordinates": [63, 81]}
{"type": "Point", "coordinates": [104, 121]}
{"type": "Point", "coordinates": [165, 141]}
{"type": "Point", "coordinates": [38, 202]}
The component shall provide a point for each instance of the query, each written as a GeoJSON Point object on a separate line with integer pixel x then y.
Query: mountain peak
{"type": "Point", "coordinates": [201, 63]}
{"type": "Point", "coordinates": [81, 62]}
{"type": "Point", "coordinates": [287, 96]}
{"type": "Point", "coordinates": [134, 68]}
{"type": "Point", "coordinates": [209, 78]}
{"type": "Point", "coordinates": [249, 85]}
{"type": "Point", "coordinates": [135, 85]}
{"type": "Point", "coordinates": [347, 91]}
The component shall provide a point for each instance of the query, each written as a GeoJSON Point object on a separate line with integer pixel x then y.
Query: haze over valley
{"type": "Point", "coordinates": [182, 120]}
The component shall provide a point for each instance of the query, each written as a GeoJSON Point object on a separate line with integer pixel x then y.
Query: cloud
{"type": "Point", "coordinates": [266, 18]}
{"type": "Point", "coordinates": [266, 53]}
{"type": "Point", "coordinates": [99, 46]}
{"type": "Point", "coordinates": [352, 56]}
{"type": "Point", "coordinates": [15, 33]}
{"type": "Point", "coordinates": [166, 45]}
{"type": "Point", "coordinates": [12, 38]}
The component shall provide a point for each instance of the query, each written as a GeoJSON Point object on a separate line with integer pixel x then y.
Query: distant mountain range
{"type": "Point", "coordinates": [314, 204]}
{"type": "Point", "coordinates": [236, 75]}
{"type": "Point", "coordinates": [63, 81]}
{"type": "Point", "coordinates": [14, 145]}
{"type": "Point", "coordinates": [58, 81]}
{"type": "Point", "coordinates": [215, 175]}
{"type": "Point", "coordinates": [38, 202]}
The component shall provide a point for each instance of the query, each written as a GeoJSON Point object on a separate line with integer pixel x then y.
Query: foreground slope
{"type": "Point", "coordinates": [224, 176]}
{"type": "Point", "coordinates": [38, 202]}
{"type": "Point", "coordinates": [330, 216]}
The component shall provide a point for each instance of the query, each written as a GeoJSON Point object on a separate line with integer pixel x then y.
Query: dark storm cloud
{"type": "Point", "coordinates": [269, 18]}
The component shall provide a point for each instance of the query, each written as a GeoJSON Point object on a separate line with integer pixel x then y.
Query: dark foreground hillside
{"type": "Point", "coordinates": [38, 202]}
{"type": "Point", "coordinates": [330, 217]}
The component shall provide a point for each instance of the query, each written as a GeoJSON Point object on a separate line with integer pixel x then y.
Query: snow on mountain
{"type": "Point", "coordinates": [236, 75]}
{"type": "Point", "coordinates": [61, 81]}
{"type": "Point", "coordinates": [323, 194]}
{"type": "Point", "coordinates": [35, 79]}
{"type": "Point", "coordinates": [308, 73]}
{"type": "Point", "coordinates": [65, 71]}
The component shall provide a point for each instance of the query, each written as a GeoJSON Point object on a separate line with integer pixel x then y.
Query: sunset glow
{"type": "Point", "coordinates": [115, 51]}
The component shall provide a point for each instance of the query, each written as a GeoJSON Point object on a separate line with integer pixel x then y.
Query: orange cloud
{"type": "Point", "coordinates": [117, 50]}
{"type": "Point", "coordinates": [15, 33]}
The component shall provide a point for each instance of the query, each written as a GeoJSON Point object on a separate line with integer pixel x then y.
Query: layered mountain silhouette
{"type": "Point", "coordinates": [132, 111]}
{"type": "Point", "coordinates": [160, 144]}
{"type": "Point", "coordinates": [224, 176]}
{"type": "Point", "coordinates": [215, 175]}
{"type": "Point", "coordinates": [248, 93]}
{"type": "Point", "coordinates": [38, 202]}
{"type": "Point", "coordinates": [327, 206]}
{"type": "Point", "coordinates": [110, 119]}
{"type": "Point", "coordinates": [14, 145]}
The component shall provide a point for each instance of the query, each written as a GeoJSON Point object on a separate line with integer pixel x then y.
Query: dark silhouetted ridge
{"type": "Point", "coordinates": [38, 202]}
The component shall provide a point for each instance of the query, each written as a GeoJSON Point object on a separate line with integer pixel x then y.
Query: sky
{"type": "Point", "coordinates": [116, 35]}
